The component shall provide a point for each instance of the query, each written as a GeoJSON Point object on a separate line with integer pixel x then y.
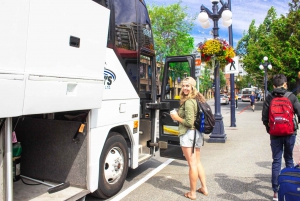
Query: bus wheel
{"type": "Point", "coordinates": [113, 166]}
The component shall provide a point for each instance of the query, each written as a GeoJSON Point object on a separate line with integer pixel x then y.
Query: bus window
{"type": "Point", "coordinates": [125, 39]}
{"type": "Point", "coordinates": [177, 71]}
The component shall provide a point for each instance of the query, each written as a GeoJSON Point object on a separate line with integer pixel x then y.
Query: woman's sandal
{"type": "Point", "coordinates": [200, 190]}
{"type": "Point", "coordinates": [188, 195]}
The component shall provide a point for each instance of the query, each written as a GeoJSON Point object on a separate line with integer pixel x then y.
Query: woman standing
{"type": "Point", "coordinates": [186, 116]}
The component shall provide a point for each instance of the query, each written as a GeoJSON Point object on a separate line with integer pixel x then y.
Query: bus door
{"type": "Point", "coordinates": [175, 69]}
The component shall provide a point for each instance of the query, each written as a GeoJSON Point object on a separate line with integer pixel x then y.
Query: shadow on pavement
{"type": "Point", "coordinates": [235, 188]}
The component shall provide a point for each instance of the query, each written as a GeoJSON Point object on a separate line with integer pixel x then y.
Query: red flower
{"type": "Point", "coordinates": [208, 58]}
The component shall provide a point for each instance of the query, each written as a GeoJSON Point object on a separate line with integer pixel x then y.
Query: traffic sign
{"type": "Point", "coordinates": [198, 67]}
{"type": "Point", "coordinates": [233, 67]}
{"type": "Point", "coordinates": [198, 62]}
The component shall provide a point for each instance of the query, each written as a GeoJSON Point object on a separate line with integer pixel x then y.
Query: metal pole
{"type": "Point", "coordinates": [266, 81]}
{"type": "Point", "coordinates": [8, 185]}
{"type": "Point", "coordinates": [217, 91]}
{"type": "Point", "coordinates": [232, 92]}
{"type": "Point", "coordinates": [218, 135]}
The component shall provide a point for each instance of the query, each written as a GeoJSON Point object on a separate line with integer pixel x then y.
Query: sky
{"type": "Point", "coordinates": [243, 12]}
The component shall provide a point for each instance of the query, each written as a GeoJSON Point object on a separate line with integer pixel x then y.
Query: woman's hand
{"type": "Point", "coordinates": [175, 117]}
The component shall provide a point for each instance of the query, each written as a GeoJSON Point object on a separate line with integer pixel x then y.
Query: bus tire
{"type": "Point", "coordinates": [113, 166]}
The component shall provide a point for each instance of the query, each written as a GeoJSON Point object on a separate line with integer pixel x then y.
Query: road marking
{"type": "Point", "coordinates": [143, 180]}
{"type": "Point", "coordinates": [244, 109]}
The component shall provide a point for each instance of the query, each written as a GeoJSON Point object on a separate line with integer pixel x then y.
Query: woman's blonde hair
{"type": "Point", "coordinates": [194, 93]}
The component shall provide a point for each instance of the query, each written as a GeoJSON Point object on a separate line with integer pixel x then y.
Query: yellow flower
{"type": "Point", "coordinates": [216, 47]}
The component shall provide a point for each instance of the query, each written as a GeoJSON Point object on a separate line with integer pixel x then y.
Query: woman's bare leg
{"type": "Point", "coordinates": [201, 173]}
{"type": "Point", "coordinates": [193, 171]}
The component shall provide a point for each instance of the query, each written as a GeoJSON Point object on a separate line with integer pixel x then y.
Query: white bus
{"type": "Point", "coordinates": [246, 92]}
{"type": "Point", "coordinates": [78, 86]}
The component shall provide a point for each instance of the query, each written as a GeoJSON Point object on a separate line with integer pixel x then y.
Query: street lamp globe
{"type": "Point", "coordinates": [227, 23]}
{"type": "Point", "coordinates": [226, 15]}
{"type": "Point", "coordinates": [203, 17]}
{"type": "Point", "coordinates": [261, 67]}
{"type": "Point", "coordinates": [265, 58]}
{"type": "Point", "coordinates": [270, 66]}
{"type": "Point", "coordinates": [205, 25]}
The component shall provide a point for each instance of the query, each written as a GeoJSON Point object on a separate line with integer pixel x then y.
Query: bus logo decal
{"type": "Point", "coordinates": [109, 78]}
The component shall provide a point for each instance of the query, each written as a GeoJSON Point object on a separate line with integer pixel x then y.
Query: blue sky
{"type": "Point", "coordinates": [243, 12]}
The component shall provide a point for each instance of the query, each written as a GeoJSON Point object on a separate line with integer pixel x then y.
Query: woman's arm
{"type": "Point", "coordinates": [189, 113]}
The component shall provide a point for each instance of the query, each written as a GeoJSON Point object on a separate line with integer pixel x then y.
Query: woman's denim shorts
{"type": "Point", "coordinates": [186, 140]}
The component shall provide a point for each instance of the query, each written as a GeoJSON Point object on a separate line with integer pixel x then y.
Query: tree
{"type": "Point", "coordinates": [205, 81]}
{"type": "Point", "coordinates": [289, 44]}
{"type": "Point", "coordinates": [222, 80]}
{"type": "Point", "coordinates": [171, 26]}
{"type": "Point", "coordinates": [277, 38]}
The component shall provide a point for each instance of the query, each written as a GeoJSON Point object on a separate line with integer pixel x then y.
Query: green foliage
{"type": "Point", "coordinates": [205, 81]}
{"type": "Point", "coordinates": [250, 79]}
{"type": "Point", "coordinates": [222, 80]}
{"type": "Point", "coordinates": [171, 26]}
{"type": "Point", "coordinates": [179, 68]}
{"type": "Point", "coordinates": [276, 38]}
{"type": "Point", "coordinates": [298, 96]}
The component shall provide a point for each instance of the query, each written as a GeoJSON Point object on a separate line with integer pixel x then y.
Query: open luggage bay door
{"type": "Point", "coordinates": [175, 69]}
{"type": "Point", "coordinates": [51, 52]}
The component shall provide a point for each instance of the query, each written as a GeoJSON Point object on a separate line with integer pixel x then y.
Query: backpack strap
{"type": "Point", "coordinates": [194, 142]}
{"type": "Point", "coordinates": [287, 94]}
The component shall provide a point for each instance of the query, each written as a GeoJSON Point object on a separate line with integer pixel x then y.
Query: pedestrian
{"type": "Point", "coordinates": [258, 96]}
{"type": "Point", "coordinates": [261, 96]}
{"type": "Point", "coordinates": [280, 145]}
{"type": "Point", "coordinates": [186, 116]}
{"type": "Point", "coordinates": [252, 100]}
{"type": "Point", "coordinates": [236, 97]}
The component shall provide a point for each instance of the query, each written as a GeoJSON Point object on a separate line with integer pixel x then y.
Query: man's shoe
{"type": "Point", "coordinates": [275, 197]}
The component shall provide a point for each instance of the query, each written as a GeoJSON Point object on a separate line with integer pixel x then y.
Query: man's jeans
{"type": "Point", "coordinates": [281, 145]}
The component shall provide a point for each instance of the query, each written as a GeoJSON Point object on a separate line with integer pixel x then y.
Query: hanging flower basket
{"type": "Point", "coordinates": [218, 49]}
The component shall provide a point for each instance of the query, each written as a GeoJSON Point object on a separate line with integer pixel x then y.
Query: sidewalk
{"type": "Point", "coordinates": [237, 170]}
{"type": "Point", "coordinates": [296, 153]}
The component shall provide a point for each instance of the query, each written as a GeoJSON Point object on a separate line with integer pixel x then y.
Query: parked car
{"type": "Point", "coordinates": [224, 99]}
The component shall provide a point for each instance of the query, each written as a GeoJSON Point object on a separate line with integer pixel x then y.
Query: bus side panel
{"type": "Point", "coordinates": [118, 84]}
{"type": "Point", "coordinates": [13, 38]}
{"type": "Point", "coordinates": [65, 55]}
{"type": "Point", "coordinates": [12, 94]}
{"type": "Point", "coordinates": [51, 50]}
{"type": "Point", "coordinates": [1, 164]}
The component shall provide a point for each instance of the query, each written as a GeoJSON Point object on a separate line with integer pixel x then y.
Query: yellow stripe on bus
{"type": "Point", "coordinates": [169, 130]}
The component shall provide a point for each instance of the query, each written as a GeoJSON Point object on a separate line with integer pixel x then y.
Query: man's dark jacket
{"type": "Point", "coordinates": [265, 111]}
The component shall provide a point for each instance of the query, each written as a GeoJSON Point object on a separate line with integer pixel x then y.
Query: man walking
{"type": "Point", "coordinates": [280, 145]}
{"type": "Point", "coordinates": [252, 100]}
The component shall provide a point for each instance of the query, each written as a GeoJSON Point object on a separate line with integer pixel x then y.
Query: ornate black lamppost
{"type": "Point", "coordinates": [218, 134]}
{"type": "Point", "coordinates": [265, 66]}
